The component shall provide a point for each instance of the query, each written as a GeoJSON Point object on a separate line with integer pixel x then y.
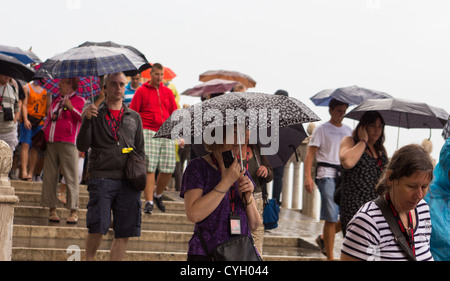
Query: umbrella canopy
{"type": "Point", "coordinates": [33, 56]}
{"type": "Point", "coordinates": [246, 80]}
{"type": "Point", "coordinates": [12, 67]}
{"type": "Point", "coordinates": [352, 95]}
{"type": "Point", "coordinates": [168, 74]}
{"type": "Point", "coordinates": [446, 131]}
{"type": "Point", "coordinates": [92, 61]}
{"type": "Point", "coordinates": [259, 109]}
{"type": "Point", "coordinates": [403, 113]}
{"type": "Point", "coordinates": [115, 45]}
{"type": "Point", "coordinates": [16, 52]}
{"type": "Point", "coordinates": [210, 87]}
{"type": "Point", "coordinates": [290, 138]}
{"type": "Point", "coordinates": [87, 86]}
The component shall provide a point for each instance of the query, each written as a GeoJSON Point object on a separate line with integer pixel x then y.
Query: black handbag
{"type": "Point", "coordinates": [238, 248]}
{"type": "Point", "coordinates": [136, 170]}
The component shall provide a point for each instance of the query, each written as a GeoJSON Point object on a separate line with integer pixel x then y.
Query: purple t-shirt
{"type": "Point", "coordinates": [215, 228]}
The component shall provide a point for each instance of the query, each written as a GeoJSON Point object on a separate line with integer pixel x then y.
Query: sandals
{"type": "Point", "coordinates": [73, 218]}
{"type": "Point", "coordinates": [53, 217]}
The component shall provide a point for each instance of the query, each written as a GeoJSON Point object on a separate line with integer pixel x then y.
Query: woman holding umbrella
{"type": "Point", "coordinates": [61, 130]}
{"type": "Point", "coordinates": [211, 191]}
{"type": "Point", "coordinates": [363, 158]}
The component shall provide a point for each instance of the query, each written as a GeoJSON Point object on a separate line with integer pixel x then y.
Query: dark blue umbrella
{"type": "Point", "coordinates": [92, 61]}
{"type": "Point", "coordinates": [352, 95]}
{"type": "Point", "coordinates": [12, 67]}
{"type": "Point", "coordinates": [17, 53]}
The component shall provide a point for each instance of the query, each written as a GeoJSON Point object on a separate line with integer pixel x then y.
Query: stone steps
{"type": "Point", "coordinates": [164, 236]}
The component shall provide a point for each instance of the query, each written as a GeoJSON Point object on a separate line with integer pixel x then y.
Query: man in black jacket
{"type": "Point", "coordinates": [103, 131]}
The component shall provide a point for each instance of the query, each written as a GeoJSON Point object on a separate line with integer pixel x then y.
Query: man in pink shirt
{"type": "Point", "coordinates": [155, 103]}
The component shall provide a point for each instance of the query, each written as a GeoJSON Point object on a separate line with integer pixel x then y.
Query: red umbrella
{"type": "Point", "coordinates": [210, 87]}
{"type": "Point", "coordinates": [168, 74]}
{"type": "Point", "coordinates": [244, 79]}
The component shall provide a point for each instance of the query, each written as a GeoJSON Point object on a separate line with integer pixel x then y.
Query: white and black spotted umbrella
{"type": "Point", "coordinates": [260, 111]}
{"type": "Point", "coordinates": [446, 131]}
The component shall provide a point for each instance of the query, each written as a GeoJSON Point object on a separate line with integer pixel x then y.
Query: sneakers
{"type": "Point", "coordinates": [321, 244]}
{"type": "Point", "coordinates": [159, 203]}
{"type": "Point", "coordinates": [148, 209]}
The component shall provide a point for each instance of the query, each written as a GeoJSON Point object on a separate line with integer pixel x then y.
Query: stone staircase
{"type": "Point", "coordinates": [164, 236]}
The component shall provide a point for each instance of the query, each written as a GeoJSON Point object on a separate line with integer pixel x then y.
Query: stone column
{"type": "Point", "coordinates": [7, 201]}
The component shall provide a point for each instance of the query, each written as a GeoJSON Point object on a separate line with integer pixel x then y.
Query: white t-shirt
{"type": "Point", "coordinates": [327, 138]}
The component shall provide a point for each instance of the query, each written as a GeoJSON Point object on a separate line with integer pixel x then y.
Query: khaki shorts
{"type": "Point", "coordinates": [159, 153]}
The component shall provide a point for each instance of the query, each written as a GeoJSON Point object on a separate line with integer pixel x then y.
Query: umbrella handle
{"type": "Point", "coordinates": [295, 152]}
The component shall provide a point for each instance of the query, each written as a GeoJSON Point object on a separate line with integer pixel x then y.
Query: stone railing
{"type": "Point", "coordinates": [7, 201]}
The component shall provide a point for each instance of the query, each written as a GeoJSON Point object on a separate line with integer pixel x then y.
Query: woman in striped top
{"type": "Point", "coordinates": [403, 185]}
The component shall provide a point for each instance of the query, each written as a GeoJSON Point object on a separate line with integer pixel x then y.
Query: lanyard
{"type": "Point", "coordinates": [409, 236]}
{"type": "Point", "coordinates": [232, 193]}
{"type": "Point", "coordinates": [247, 157]}
{"type": "Point", "coordinates": [114, 125]}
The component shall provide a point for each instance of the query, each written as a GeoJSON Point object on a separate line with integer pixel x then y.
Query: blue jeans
{"type": "Point", "coordinates": [329, 210]}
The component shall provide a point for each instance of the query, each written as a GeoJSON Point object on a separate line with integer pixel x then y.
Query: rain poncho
{"type": "Point", "coordinates": [438, 198]}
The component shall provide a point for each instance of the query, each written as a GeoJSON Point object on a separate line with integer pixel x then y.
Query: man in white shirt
{"type": "Point", "coordinates": [324, 146]}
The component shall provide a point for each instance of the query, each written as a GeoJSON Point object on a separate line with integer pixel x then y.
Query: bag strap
{"type": "Point", "coordinates": [381, 203]}
{"type": "Point", "coordinates": [202, 241]}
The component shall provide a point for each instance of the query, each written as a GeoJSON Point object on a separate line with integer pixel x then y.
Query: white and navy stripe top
{"type": "Point", "coordinates": [369, 237]}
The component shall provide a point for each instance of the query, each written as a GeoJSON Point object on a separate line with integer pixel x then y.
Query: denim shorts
{"type": "Point", "coordinates": [329, 210]}
{"type": "Point", "coordinates": [27, 134]}
{"type": "Point", "coordinates": [118, 196]}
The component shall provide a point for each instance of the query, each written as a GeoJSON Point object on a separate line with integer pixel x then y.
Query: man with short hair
{"type": "Point", "coordinates": [131, 88]}
{"type": "Point", "coordinates": [155, 103]}
{"type": "Point", "coordinates": [324, 146]}
{"type": "Point", "coordinates": [109, 130]}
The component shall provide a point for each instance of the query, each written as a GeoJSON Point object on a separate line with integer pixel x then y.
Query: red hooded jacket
{"type": "Point", "coordinates": [154, 105]}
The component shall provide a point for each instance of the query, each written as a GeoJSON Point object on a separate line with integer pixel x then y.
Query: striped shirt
{"type": "Point", "coordinates": [370, 238]}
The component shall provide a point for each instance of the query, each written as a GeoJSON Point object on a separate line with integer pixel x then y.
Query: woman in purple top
{"type": "Point", "coordinates": [207, 187]}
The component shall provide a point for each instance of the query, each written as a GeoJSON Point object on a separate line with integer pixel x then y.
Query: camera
{"type": "Point", "coordinates": [8, 114]}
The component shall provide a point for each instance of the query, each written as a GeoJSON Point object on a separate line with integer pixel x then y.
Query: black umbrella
{"type": "Point", "coordinates": [92, 61]}
{"type": "Point", "coordinates": [290, 138]}
{"type": "Point", "coordinates": [403, 113]}
{"type": "Point", "coordinates": [352, 95]}
{"type": "Point", "coordinates": [12, 67]}
{"type": "Point", "coordinates": [115, 45]}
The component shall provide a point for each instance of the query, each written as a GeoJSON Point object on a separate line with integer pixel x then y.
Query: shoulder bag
{"type": "Point", "coordinates": [381, 203]}
{"type": "Point", "coordinates": [136, 170]}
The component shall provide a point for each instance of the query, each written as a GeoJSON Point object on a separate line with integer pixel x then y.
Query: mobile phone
{"type": "Point", "coordinates": [228, 158]}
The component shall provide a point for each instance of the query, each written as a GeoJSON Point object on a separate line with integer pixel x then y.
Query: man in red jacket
{"type": "Point", "coordinates": [155, 103]}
